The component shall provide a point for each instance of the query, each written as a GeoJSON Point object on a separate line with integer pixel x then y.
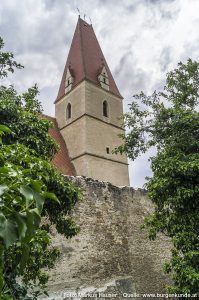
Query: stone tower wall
{"type": "Point", "coordinates": [88, 133]}
{"type": "Point", "coordinates": [111, 254]}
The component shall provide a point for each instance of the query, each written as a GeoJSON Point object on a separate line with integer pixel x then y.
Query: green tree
{"type": "Point", "coordinates": [29, 189]}
{"type": "Point", "coordinates": [169, 120]}
{"type": "Point", "coordinates": [7, 62]}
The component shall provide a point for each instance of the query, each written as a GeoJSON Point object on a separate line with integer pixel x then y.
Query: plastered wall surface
{"type": "Point", "coordinates": [90, 137]}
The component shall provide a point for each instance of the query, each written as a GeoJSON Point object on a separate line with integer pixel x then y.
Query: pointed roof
{"type": "Point", "coordinates": [85, 59]}
{"type": "Point", "coordinates": [61, 160]}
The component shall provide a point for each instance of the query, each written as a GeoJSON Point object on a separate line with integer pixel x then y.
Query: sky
{"type": "Point", "coordinates": [141, 39]}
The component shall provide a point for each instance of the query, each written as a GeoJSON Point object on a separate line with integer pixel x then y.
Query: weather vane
{"type": "Point", "coordinates": [78, 11]}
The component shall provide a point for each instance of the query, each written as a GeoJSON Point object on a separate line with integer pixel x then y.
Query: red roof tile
{"type": "Point", "coordinates": [61, 160]}
{"type": "Point", "coordinates": [85, 59]}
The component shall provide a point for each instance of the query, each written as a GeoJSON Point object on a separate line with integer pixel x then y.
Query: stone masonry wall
{"type": "Point", "coordinates": [111, 255]}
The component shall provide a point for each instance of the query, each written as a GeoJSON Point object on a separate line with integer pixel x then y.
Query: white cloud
{"type": "Point", "coordinates": [141, 40]}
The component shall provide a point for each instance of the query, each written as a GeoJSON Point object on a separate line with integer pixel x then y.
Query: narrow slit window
{"type": "Point", "coordinates": [107, 150]}
{"type": "Point", "coordinates": [105, 109]}
{"type": "Point", "coordinates": [68, 111]}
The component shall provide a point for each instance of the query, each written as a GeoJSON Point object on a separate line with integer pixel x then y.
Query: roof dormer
{"type": "Point", "coordinates": [68, 81]}
{"type": "Point", "coordinates": [103, 79]}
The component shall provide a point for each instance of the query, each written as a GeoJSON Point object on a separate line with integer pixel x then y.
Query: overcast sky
{"type": "Point", "coordinates": [141, 39]}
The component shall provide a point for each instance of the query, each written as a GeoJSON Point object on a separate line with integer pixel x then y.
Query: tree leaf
{"type": "Point", "coordinates": [30, 226]}
{"type": "Point", "coordinates": [4, 170]}
{"type": "Point", "coordinates": [36, 216]}
{"type": "Point", "coordinates": [21, 221]}
{"type": "Point", "coordinates": [51, 196]}
{"type": "Point", "coordinates": [8, 230]}
{"type": "Point", "coordinates": [4, 128]}
{"type": "Point", "coordinates": [27, 192]}
{"type": "Point", "coordinates": [39, 199]}
{"type": "Point", "coordinates": [37, 185]}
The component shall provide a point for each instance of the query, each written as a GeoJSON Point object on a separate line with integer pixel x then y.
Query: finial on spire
{"type": "Point", "coordinates": [84, 17]}
{"type": "Point", "coordinates": [78, 12]}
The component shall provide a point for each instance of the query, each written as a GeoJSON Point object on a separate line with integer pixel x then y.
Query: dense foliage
{"type": "Point", "coordinates": [29, 189]}
{"type": "Point", "coordinates": [169, 120]}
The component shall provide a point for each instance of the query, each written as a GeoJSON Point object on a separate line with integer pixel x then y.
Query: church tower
{"type": "Point", "coordinates": [88, 108]}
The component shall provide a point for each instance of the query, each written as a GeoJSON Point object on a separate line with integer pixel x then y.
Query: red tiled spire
{"type": "Point", "coordinates": [85, 59]}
